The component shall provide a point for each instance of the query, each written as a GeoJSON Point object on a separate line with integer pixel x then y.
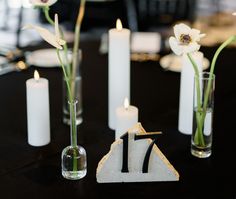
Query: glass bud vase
{"type": "Point", "coordinates": [201, 139]}
{"type": "Point", "coordinates": [76, 88]}
{"type": "Point", "coordinates": [73, 158]}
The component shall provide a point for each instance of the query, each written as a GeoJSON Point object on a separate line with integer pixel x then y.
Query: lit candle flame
{"type": "Point", "coordinates": [118, 25]}
{"type": "Point", "coordinates": [126, 103]}
{"type": "Point", "coordinates": [36, 75]}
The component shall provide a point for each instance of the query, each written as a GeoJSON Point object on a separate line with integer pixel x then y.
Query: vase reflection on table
{"type": "Point", "coordinates": [201, 140]}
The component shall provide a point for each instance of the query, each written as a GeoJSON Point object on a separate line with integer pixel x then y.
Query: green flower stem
{"type": "Point", "coordinates": [74, 141]}
{"type": "Point", "coordinates": [77, 38]}
{"type": "Point", "coordinates": [47, 16]}
{"type": "Point", "coordinates": [72, 111]}
{"type": "Point", "coordinates": [207, 92]}
{"type": "Point", "coordinates": [198, 139]}
{"type": "Point", "coordinates": [65, 76]}
{"type": "Point", "coordinates": [222, 46]}
{"type": "Point", "coordinates": [201, 111]}
{"type": "Point", "coordinates": [197, 82]}
{"type": "Point", "coordinates": [65, 48]}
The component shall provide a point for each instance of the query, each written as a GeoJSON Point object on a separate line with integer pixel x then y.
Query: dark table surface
{"type": "Point", "coordinates": [35, 172]}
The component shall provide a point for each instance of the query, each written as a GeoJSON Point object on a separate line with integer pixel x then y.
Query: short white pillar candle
{"type": "Point", "coordinates": [126, 117]}
{"type": "Point", "coordinates": [38, 119]}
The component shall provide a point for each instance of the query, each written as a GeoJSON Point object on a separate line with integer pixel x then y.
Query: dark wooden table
{"type": "Point", "coordinates": [35, 172]}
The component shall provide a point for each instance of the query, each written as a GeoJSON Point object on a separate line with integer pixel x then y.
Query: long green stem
{"type": "Point", "coordinates": [77, 37]}
{"type": "Point", "coordinates": [197, 82]}
{"type": "Point", "coordinates": [198, 136]}
{"type": "Point", "coordinates": [201, 111]}
{"type": "Point", "coordinates": [72, 113]}
{"type": "Point", "coordinates": [71, 100]}
{"type": "Point", "coordinates": [47, 16]}
{"type": "Point", "coordinates": [65, 76]}
{"type": "Point", "coordinates": [207, 92]}
{"type": "Point", "coordinates": [218, 51]}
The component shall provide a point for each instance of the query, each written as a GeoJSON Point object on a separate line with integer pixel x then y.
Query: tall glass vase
{"type": "Point", "coordinates": [73, 158]}
{"type": "Point", "coordinates": [76, 88]}
{"type": "Point", "coordinates": [201, 140]}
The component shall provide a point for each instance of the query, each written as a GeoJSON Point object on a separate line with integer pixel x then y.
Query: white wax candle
{"type": "Point", "coordinates": [119, 70]}
{"type": "Point", "coordinates": [126, 117]}
{"type": "Point", "coordinates": [38, 119]}
{"type": "Point", "coordinates": [187, 92]}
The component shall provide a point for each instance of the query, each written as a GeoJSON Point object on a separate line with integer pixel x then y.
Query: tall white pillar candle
{"type": "Point", "coordinates": [126, 118]}
{"type": "Point", "coordinates": [119, 70]}
{"type": "Point", "coordinates": [187, 92]}
{"type": "Point", "coordinates": [38, 119]}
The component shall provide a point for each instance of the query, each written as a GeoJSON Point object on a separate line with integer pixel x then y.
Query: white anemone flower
{"type": "Point", "coordinates": [186, 39]}
{"type": "Point", "coordinates": [53, 39]}
{"type": "Point", "coordinates": [42, 2]}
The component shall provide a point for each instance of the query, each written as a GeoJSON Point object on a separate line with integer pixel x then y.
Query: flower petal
{"type": "Point", "coordinates": [180, 29]}
{"type": "Point", "coordinates": [195, 35]}
{"type": "Point", "coordinates": [175, 47]}
{"type": "Point", "coordinates": [202, 35]}
{"type": "Point", "coordinates": [45, 34]}
{"type": "Point", "coordinates": [57, 31]}
{"type": "Point", "coordinates": [192, 47]}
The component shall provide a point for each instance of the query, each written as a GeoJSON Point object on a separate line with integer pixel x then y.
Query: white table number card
{"type": "Point", "coordinates": [135, 158]}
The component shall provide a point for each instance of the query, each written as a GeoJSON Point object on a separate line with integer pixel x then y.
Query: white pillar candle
{"type": "Point", "coordinates": [126, 118]}
{"type": "Point", "coordinates": [38, 119]}
{"type": "Point", "coordinates": [119, 70]}
{"type": "Point", "coordinates": [187, 92]}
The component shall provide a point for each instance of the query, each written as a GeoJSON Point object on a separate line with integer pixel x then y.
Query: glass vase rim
{"type": "Point", "coordinates": [205, 76]}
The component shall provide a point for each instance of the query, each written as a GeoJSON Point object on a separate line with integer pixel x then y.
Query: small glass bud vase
{"type": "Point", "coordinates": [76, 91]}
{"type": "Point", "coordinates": [201, 140]}
{"type": "Point", "coordinates": [73, 158]}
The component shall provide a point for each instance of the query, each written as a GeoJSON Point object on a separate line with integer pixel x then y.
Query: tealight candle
{"type": "Point", "coordinates": [119, 70]}
{"type": "Point", "coordinates": [38, 119]}
{"type": "Point", "coordinates": [126, 117]}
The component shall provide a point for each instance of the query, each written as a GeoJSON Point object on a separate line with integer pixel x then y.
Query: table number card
{"type": "Point", "coordinates": [135, 158]}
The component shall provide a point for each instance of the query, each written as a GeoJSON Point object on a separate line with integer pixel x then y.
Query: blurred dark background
{"type": "Point", "coordinates": [100, 15]}
{"type": "Point", "coordinates": [137, 15]}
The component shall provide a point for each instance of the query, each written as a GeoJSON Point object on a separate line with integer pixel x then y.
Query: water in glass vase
{"type": "Point", "coordinates": [73, 158]}
{"type": "Point", "coordinates": [74, 163]}
{"type": "Point", "coordinates": [201, 141]}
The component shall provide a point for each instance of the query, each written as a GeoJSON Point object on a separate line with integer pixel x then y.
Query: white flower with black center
{"type": "Point", "coordinates": [186, 39]}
